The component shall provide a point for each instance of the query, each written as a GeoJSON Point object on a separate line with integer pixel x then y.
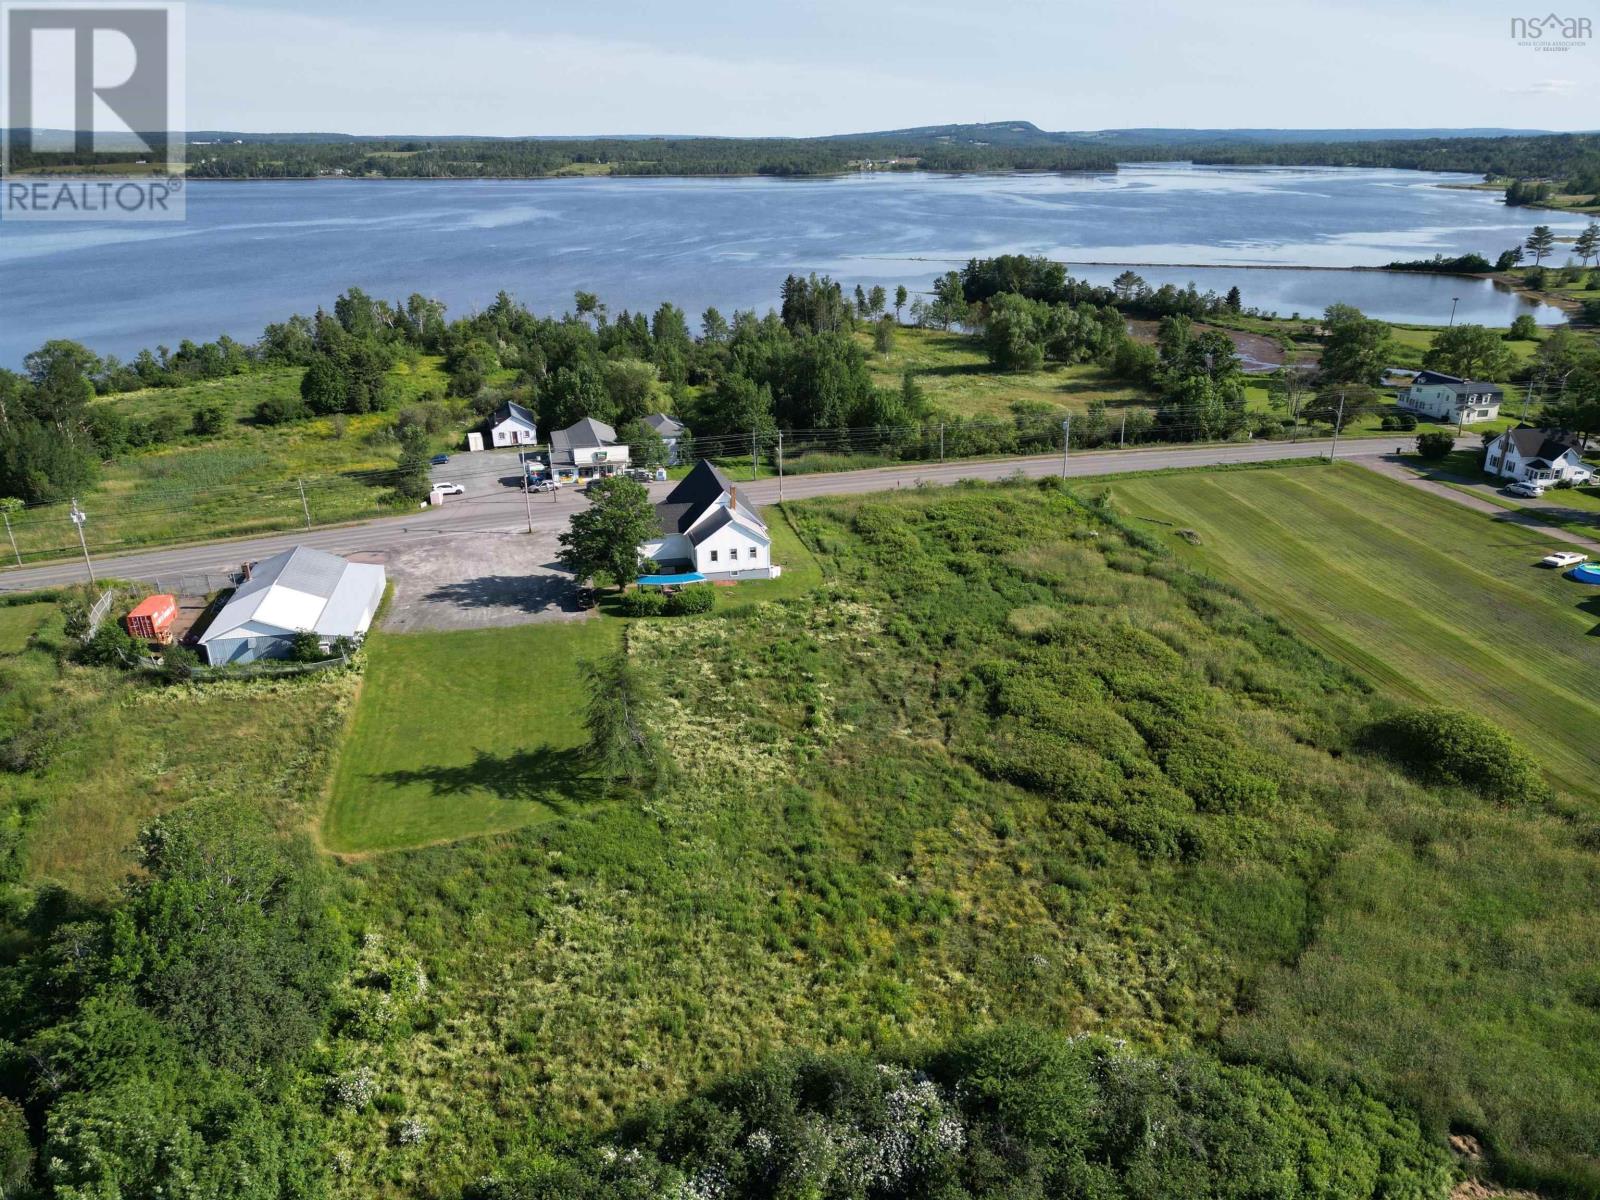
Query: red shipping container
{"type": "Point", "coordinates": [152, 620]}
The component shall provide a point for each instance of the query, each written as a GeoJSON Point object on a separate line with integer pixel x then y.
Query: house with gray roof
{"type": "Point", "coordinates": [294, 592]}
{"type": "Point", "coordinates": [587, 449]}
{"type": "Point", "coordinates": [1444, 398]}
{"type": "Point", "coordinates": [512, 425]}
{"type": "Point", "coordinates": [672, 433]}
{"type": "Point", "coordinates": [706, 527]}
{"type": "Point", "coordinates": [1540, 455]}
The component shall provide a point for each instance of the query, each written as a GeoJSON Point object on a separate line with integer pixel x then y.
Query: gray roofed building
{"type": "Point", "coordinates": [705, 527]}
{"type": "Point", "coordinates": [512, 425]}
{"type": "Point", "coordinates": [298, 591]}
{"type": "Point", "coordinates": [589, 447]}
{"type": "Point", "coordinates": [1543, 456]}
{"type": "Point", "coordinates": [664, 425]}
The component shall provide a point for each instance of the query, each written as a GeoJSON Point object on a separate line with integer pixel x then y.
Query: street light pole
{"type": "Point", "coordinates": [79, 517]}
{"type": "Point", "coordinates": [1454, 300]}
{"type": "Point", "coordinates": [780, 466]}
{"type": "Point", "coordinates": [1333, 450]}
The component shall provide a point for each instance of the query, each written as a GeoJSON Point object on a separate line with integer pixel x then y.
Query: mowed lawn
{"type": "Point", "coordinates": [1428, 599]}
{"type": "Point", "coordinates": [465, 733]}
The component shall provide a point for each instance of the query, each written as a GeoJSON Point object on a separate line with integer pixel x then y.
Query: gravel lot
{"type": "Point", "coordinates": [479, 580]}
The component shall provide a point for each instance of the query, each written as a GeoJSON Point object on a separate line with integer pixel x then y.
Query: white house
{"type": "Point", "coordinates": [512, 425]}
{"type": "Point", "coordinates": [705, 527]}
{"type": "Point", "coordinates": [1450, 400]}
{"type": "Point", "coordinates": [671, 432]}
{"type": "Point", "coordinates": [1542, 455]}
{"type": "Point", "coordinates": [293, 592]}
{"type": "Point", "coordinates": [587, 449]}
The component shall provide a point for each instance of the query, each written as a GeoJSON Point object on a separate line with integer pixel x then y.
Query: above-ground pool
{"type": "Point", "coordinates": [1585, 573]}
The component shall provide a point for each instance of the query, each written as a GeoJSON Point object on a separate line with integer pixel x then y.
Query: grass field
{"type": "Point", "coordinates": [954, 372]}
{"type": "Point", "coordinates": [93, 753]}
{"type": "Point", "coordinates": [1426, 598]}
{"type": "Point", "coordinates": [241, 480]}
{"type": "Point", "coordinates": [464, 733]}
{"type": "Point", "coordinates": [19, 622]}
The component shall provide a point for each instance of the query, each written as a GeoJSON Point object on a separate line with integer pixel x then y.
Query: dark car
{"type": "Point", "coordinates": [439, 460]}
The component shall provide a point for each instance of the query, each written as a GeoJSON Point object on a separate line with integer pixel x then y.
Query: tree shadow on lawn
{"type": "Point", "coordinates": [544, 775]}
{"type": "Point", "coordinates": [1591, 607]}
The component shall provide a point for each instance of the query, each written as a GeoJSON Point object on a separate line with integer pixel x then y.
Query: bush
{"type": "Point", "coordinates": [306, 647]}
{"type": "Point", "coordinates": [1390, 421]}
{"type": "Point", "coordinates": [1435, 447]}
{"type": "Point", "coordinates": [642, 602]}
{"type": "Point", "coordinates": [1406, 421]}
{"type": "Point", "coordinates": [178, 664]}
{"type": "Point", "coordinates": [1449, 746]}
{"type": "Point", "coordinates": [208, 420]}
{"type": "Point", "coordinates": [690, 600]}
{"type": "Point", "coordinates": [110, 646]}
{"type": "Point", "coordinates": [280, 410]}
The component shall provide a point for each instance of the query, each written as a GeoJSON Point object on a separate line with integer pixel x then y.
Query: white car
{"type": "Point", "coordinates": [1562, 559]}
{"type": "Point", "coordinates": [450, 489]}
{"type": "Point", "coordinates": [1525, 487]}
{"type": "Point", "coordinates": [544, 485]}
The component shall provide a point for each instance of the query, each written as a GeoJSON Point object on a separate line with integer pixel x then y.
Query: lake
{"type": "Point", "coordinates": [254, 252]}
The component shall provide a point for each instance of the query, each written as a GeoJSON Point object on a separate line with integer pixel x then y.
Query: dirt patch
{"type": "Point", "coordinates": [1470, 1151]}
{"type": "Point", "coordinates": [1259, 353]}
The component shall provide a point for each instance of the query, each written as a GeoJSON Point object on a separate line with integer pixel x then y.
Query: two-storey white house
{"type": "Point", "coordinates": [705, 527]}
{"type": "Point", "coordinates": [587, 449]}
{"type": "Point", "coordinates": [512, 425]}
{"type": "Point", "coordinates": [1449, 400]}
{"type": "Point", "coordinates": [1541, 455]}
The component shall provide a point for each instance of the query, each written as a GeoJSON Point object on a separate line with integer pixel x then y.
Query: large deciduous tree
{"type": "Point", "coordinates": [604, 538]}
{"type": "Point", "coordinates": [1469, 351]}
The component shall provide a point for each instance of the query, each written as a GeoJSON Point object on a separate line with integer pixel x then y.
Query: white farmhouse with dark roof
{"type": "Point", "coordinates": [1445, 398]}
{"type": "Point", "coordinates": [512, 425]}
{"type": "Point", "coordinates": [1542, 455]}
{"type": "Point", "coordinates": [707, 528]}
{"type": "Point", "coordinates": [294, 592]}
{"type": "Point", "coordinates": [587, 449]}
{"type": "Point", "coordinates": [671, 431]}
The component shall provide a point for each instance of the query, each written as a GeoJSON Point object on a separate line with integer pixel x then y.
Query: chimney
{"type": "Point", "coordinates": [246, 571]}
{"type": "Point", "coordinates": [733, 497]}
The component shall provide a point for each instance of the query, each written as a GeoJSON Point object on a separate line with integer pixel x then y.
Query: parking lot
{"type": "Point", "coordinates": [479, 580]}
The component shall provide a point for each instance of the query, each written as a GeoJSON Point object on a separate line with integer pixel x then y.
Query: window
{"type": "Point", "coordinates": [713, 556]}
{"type": "Point", "coordinates": [752, 551]}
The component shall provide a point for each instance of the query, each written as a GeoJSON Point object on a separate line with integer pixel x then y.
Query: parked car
{"type": "Point", "coordinates": [1529, 488]}
{"type": "Point", "coordinates": [439, 460]}
{"type": "Point", "coordinates": [543, 485]}
{"type": "Point", "coordinates": [450, 489]}
{"type": "Point", "coordinates": [1562, 559]}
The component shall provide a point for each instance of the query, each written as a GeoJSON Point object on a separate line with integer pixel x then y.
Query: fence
{"type": "Point", "coordinates": [256, 670]}
{"type": "Point", "coordinates": [97, 613]}
{"type": "Point", "coordinates": [198, 584]}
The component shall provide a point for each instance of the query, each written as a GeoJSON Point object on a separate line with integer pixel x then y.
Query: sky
{"type": "Point", "coordinates": [732, 67]}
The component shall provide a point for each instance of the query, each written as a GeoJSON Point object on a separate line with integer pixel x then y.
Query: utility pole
{"type": "Point", "coordinates": [304, 507]}
{"type": "Point", "coordinates": [780, 466]}
{"type": "Point", "coordinates": [941, 443]}
{"type": "Point", "coordinates": [1337, 422]}
{"type": "Point", "coordinates": [1122, 434]}
{"type": "Point", "coordinates": [754, 469]}
{"type": "Point", "coordinates": [11, 537]}
{"type": "Point", "coordinates": [1066, 443]}
{"type": "Point", "coordinates": [79, 517]}
{"type": "Point", "coordinates": [527, 497]}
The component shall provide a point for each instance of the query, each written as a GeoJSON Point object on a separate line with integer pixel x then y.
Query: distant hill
{"type": "Point", "coordinates": [979, 133]}
{"type": "Point", "coordinates": [1025, 133]}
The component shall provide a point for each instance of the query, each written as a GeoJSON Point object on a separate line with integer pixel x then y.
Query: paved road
{"type": "Point", "coordinates": [501, 508]}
